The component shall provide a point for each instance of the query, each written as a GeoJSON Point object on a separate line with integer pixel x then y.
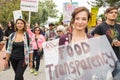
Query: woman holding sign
{"type": "Point", "coordinates": [79, 22]}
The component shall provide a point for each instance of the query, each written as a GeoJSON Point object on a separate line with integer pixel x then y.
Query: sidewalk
{"type": "Point", "coordinates": [9, 74]}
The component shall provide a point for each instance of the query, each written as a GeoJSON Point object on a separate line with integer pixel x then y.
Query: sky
{"type": "Point", "coordinates": [59, 7]}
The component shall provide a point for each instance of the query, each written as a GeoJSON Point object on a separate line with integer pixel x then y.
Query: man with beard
{"type": "Point", "coordinates": [111, 29]}
{"type": "Point", "coordinates": [51, 33]}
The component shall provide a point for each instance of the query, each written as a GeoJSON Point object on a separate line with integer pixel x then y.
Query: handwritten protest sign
{"type": "Point", "coordinates": [94, 13]}
{"type": "Point", "coordinates": [68, 8]}
{"type": "Point", "coordinates": [49, 45]}
{"type": "Point", "coordinates": [29, 5]}
{"type": "Point", "coordinates": [81, 60]}
{"type": "Point", "coordinates": [17, 14]}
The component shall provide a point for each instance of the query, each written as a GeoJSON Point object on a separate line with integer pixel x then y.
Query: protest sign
{"type": "Point", "coordinates": [68, 8]}
{"type": "Point", "coordinates": [29, 5]}
{"type": "Point", "coordinates": [17, 14]}
{"type": "Point", "coordinates": [80, 61]}
{"type": "Point", "coordinates": [49, 45]}
{"type": "Point", "coordinates": [94, 13]}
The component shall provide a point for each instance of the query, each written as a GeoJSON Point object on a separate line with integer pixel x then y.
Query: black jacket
{"type": "Point", "coordinates": [1, 34]}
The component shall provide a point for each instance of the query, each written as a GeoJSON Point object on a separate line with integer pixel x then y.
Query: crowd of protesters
{"type": "Point", "coordinates": [28, 52]}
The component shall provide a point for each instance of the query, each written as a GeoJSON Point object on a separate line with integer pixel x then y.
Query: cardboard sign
{"type": "Point", "coordinates": [85, 60]}
{"type": "Point", "coordinates": [68, 8]}
{"type": "Point", "coordinates": [17, 14]}
{"type": "Point", "coordinates": [94, 13]}
{"type": "Point", "coordinates": [29, 5]}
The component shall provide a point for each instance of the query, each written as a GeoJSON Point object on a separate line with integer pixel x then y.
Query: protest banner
{"type": "Point", "coordinates": [94, 13]}
{"type": "Point", "coordinates": [68, 8]}
{"type": "Point", "coordinates": [49, 45]}
{"type": "Point", "coordinates": [29, 5]}
{"type": "Point", "coordinates": [17, 14]}
{"type": "Point", "coordinates": [81, 60]}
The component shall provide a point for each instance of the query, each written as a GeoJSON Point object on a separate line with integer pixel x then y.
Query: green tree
{"type": "Point", "coordinates": [46, 9]}
{"type": "Point", "coordinates": [6, 7]}
{"type": "Point", "coordinates": [105, 3]}
{"type": "Point", "coordinates": [60, 19]}
{"type": "Point", "coordinates": [118, 19]}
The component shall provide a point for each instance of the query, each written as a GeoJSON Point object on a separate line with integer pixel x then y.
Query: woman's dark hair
{"type": "Point", "coordinates": [25, 27]}
{"type": "Point", "coordinates": [39, 29]}
{"type": "Point", "coordinates": [51, 24]}
{"type": "Point", "coordinates": [12, 25]}
{"type": "Point", "coordinates": [76, 11]}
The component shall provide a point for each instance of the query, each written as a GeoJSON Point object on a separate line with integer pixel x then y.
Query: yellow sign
{"type": "Point", "coordinates": [94, 12]}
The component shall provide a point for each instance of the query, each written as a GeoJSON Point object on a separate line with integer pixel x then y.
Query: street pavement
{"type": "Point", "coordinates": [9, 74]}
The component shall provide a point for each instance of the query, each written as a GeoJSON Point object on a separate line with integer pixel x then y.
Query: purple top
{"type": "Point", "coordinates": [65, 39]}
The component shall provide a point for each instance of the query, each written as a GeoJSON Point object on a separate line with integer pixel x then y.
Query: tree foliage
{"type": "Point", "coordinates": [46, 9]}
{"type": "Point", "coordinates": [60, 19]}
{"type": "Point", "coordinates": [6, 7]}
{"type": "Point", "coordinates": [105, 3]}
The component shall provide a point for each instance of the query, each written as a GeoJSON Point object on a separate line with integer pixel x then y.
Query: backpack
{"type": "Point", "coordinates": [28, 41]}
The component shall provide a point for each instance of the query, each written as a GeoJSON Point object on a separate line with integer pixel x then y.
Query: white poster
{"type": "Point", "coordinates": [29, 5]}
{"type": "Point", "coordinates": [17, 14]}
{"type": "Point", "coordinates": [49, 45]}
{"type": "Point", "coordinates": [68, 8]}
{"type": "Point", "coordinates": [84, 60]}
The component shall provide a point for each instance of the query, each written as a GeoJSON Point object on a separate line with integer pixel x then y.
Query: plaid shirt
{"type": "Point", "coordinates": [27, 49]}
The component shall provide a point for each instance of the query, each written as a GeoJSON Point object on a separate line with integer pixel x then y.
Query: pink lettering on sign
{"type": "Point", "coordinates": [74, 66]}
{"type": "Point", "coordinates": [50, 45]}
{"type": "Point", "coordinates": [82, 48]}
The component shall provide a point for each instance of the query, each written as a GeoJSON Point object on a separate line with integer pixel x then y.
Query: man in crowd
{"type": "Point", "coordinates": [51, 33]}
{"type": "Point", "coordinates": [111, 29]}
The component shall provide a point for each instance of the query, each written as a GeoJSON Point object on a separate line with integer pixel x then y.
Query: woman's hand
{"type": "Point", "coordinates": [40, 49]}
{"type": "Point", "coordinates": [5, 38]}
{"type": "Point", "coordinates": [116, 43]}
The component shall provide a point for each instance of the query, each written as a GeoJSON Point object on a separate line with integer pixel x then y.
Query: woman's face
{"type": "Point", "coordinates": [37, 31]}
{"type": "Point", "coordinates": [60, 32]}
{"type": "Point", "coordinates": [81, 21]}
{"type": "Point", "coordinates": [9, 24]}
{"type": "Point", "coordinates": [20, 25]}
